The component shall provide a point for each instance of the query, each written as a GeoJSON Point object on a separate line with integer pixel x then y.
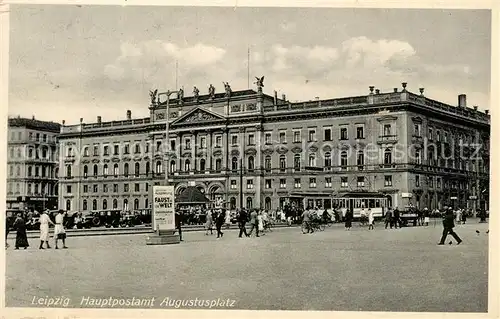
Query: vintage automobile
{"type": "Point", "coordinates": [11, 217]}
{"type": "Point", "coordinates": [409, 215]}
{"type": "Point", "coordinates": [130, 219]}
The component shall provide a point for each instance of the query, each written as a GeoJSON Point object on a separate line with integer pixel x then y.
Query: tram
{"type": "Point", "coordinates": [361, 201]}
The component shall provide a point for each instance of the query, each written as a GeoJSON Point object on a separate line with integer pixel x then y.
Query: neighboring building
{"type": "Point", "coordinates": [304, 152]}
{"type": "Point", "coordinates": [32, 164]}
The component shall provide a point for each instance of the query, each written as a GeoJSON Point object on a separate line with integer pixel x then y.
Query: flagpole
{"type": "Point", "coordinates": [248, 67]}
{"type": "Point", "coordinates": [176, 73]}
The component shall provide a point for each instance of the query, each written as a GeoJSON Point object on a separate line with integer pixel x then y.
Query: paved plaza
{"type": "Point", "coordinates": [360, 270]}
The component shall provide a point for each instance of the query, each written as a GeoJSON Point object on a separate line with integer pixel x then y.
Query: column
{"type": "Point", "coordinates": [194, 150]}
{"type": "Point", "coordinates": [258, 161]}
{"type": "Point", "coordinates": [210, 147]}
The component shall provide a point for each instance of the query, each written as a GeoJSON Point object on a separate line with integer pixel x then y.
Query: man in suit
{"type": "Point", "coordinates": [178, 223]}
{"type": "Point", "coordinates": [254, 222]}
{"type": "Point", "coordinates": [219, 221]}
{"type": "Point", "coordinates": [448, 224]}
{"type": "Point", "coordinates": [242, 220]}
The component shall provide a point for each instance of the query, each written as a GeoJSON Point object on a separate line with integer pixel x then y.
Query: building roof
{"type": "Point", "coordinates": [35, 124]}
{"type": "Point", "coordinates": [191, 195]}
{"type": "Point", "coordinates": [206, 97]}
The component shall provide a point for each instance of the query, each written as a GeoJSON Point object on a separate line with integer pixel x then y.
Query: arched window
{"type": "Point", "coordinates": [202, 165]}
{"type": "Point", "coordinates": [312, 160]}
{"type": "Point", "coordinates": [137, 170]}
{"type": "Point", "coordinates": [96, 170]}
{"type": "Point", "coordinates": [172, 166]}
{"type": "Point", "coordinates": [387, 156]}
{"type": "Point", "coordinates": [296, 162]}
{"type": "Point", "coordinates": [68, 171]}
{"type": "Point", "coordinates": [85, 171]}
{"type": "Point", "coordinates": [125, 204]}
{"type": "Point", "coordinates": [125, 169]}
{"type": "Point", "coordinates": [104, 204]}
{"type": "Point", "coordinates": [187, 165]}
{"type": "Point", "coordinates": [249, 203]}
{"type": "Point", "coordinates": [68, 204]}
{"type": "Point", "coordinates": [251, 164]}
{"type": "Point", "coordinates": [159, 168]}
{"type": "Point", "coordinates": [218, 165]}
{"type": "Point", "coordinates": [94, 204]}
{"type": "Point", "coordinates": [136, 204]}
{"type": "Point", "coordinates": [282, 163]}
{"type": "Point", "coordinates": [343, 158]}
{"type": "Point", "coordinates": [232, 202]}
{"type": "Point", "coordinates": [148, 168]}
{"type": "Point", "coordinates": [328, 159]}
{"type": "Point", "coordinates": [105, 170]}
{"type": "Point", "coordinates": [267, 203]}
{"type": "Point", "coordinates": [234, 164]}
{"type": "Point", "coordinates": [115, 203]}
{"type": "Point", "coordinates": [267, 163]}
{"type": "Point", "coordinates": [360, 159]}
{"type": "Point", "coordinates": [146, 203]}
{"type": "Point", "coordinates": [116, 171]}
{"type": "Point", "coordinates": [84, 204]}
{"type": "Point", "coordinates": [86, 151]}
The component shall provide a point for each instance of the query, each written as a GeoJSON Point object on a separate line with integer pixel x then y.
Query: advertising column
{"type": "Point", "coordinates": [163, 209]}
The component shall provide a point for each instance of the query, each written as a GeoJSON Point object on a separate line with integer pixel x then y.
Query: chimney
{"type": "Point", "coordinates": [486, 112]}
{"type": "Point", "coordinates": [395, 90]}
{"type": "Point", "coordinates": [129, 114]}
{"type": "Point", "coordinates": [33, 117]}
{"type": "Point", "coordinates": [371, 87]}
{"type": "Point", "coordinates": [377, 91]}
{"type": "Point", "coordinates": [475, 107]}
{"type": "Point", "coordinates": [462, 100]}
{"type": "Point", "coordinates": [283, 97]}
{"type": "Point", "coordinates": [99, 119]}
{"type": "Point", "coordinates": [275, 97]}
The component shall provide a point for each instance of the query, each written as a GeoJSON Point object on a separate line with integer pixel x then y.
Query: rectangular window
{"type": "Point", "coordinates": [282, 183]}
{"type": "Point", "coordinates": [234, 184]}
{"type": "Point", "coordinates": [188, 143]}
{"type": "Point", "coordinates": [296, 136]}
{"type": "Point", "coordinates": [343, 133]}
{"type": "Point", "coordinates": [203, 142]}
{"type": "Point", "coordinates": [267, 138]}
{"type": "Point", "coordinates": [387, 129]}
{"type": "Point", "coordinates": [438, 136]}
{"type": "Point", "coordinates": [106, 150]}
{"type": "Point", "coordinates": [172, 145]}
{"type": "Point", "coordinates": [115, 188]}
{"type": "Point", "coordinates": [251, 139]}
{"type": "Point", "coordinates": [438, 182]}
{"type": "Point", "coordinates": [68, 189]}
{"type": "Point", "coordinates": [430, 182]}
{"type": "Point", "coordinates": [95, 188]}
{"type": "Point", "coordinates": [234, 139]}
{"type": "Point", "coordinates": [417, 180]}
{"type": "Point", "coordinates": [282, 137]}
{"type": "Point", "coordinates": [137, 148]}
{"type": "Point", "coordinates": [116, 149]}
{"type": "Point", "coordinates": [125, 188]}
{"type": "Point", "coordinates": [147, 148]}
{"type": "Point", "coordinates": [296, 183]}
{"type": "Point", "coordinates": [147, 186]}
{"type": "Point", "coordinates": [85, 188]}
{"type": "Point", "coordinates": [416, 129]}
{"type": "Point", "coordinates": [430, 134]}
{"type": "Point", "coordinates": [126, 149]}
{"type": "Point", "coordinates": [361, 181]}
{"type": "Point", "coordinates": [218, 141]}
{"type": "Point", "coordinates": [360, 132]}
{"type": "Point", "coordinates": [312, 182]}
{"type": "Point", "coordinates": [268, 184]}
{"type": "Point", "coordinates": [328, 182]}
{"type": "Point", "coordinates": [250, 184]}
{"type": "Point", "coordinates": [312, 135]}
{"type": "Point", "coordinates": [137, 187]}
{"type": "Point", "coordinates": [105, 188]}
{"type": "Point", "coordinates": [344, 182]}
{"type": "Point", "coordinates": [328, 134]}
{"type": "Point", "coordinates": [387, 180]}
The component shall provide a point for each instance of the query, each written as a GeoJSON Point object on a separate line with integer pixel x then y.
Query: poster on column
{"type": "Point", "coordinates": [163, 208]}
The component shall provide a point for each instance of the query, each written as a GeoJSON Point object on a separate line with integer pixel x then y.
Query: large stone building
{"type": "Point", "coordinates": [398, 143]}
{"type": "Point", "coordinates": [32, 164]}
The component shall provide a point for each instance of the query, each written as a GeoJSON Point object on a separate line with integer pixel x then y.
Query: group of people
{"type": "Point", "coordinates": [259, 221]}
{"type": "Point", "coordinates": [19, 226]}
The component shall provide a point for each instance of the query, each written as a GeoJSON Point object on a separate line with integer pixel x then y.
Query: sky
{"type": "Point", "coordinates": [69, 62]}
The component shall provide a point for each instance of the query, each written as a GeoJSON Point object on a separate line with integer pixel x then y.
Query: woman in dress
{"type": "Point", "coordinates": [260, 222]}
{"type": "Point", "coordinates": [228, 219]}
{"type": "Point", "coordinates": [59, 232]}
{"type": "Point", "coordinates": [44, 229]}
{"type": "Point", "coordinates": [209, 223]}
{"type": "Point", "coordinates": [371, 219]}
{"type": "Point", "coordinates": [21, 237]}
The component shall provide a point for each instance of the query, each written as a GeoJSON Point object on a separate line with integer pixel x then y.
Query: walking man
{"type": "Point", "coordinates": [44, 229]}
{"type": "Point", "coordinates": [59, 232]}
{"type": "Point", "coordinates": [219, 222]}
{"type": "Point", "coordinates": [448, 224]}
{"type": "Point", "coordinates": [178, 224]}
{"type": "Point", "coordinates": [242, 220]}
{"type": "Point", "coordinates": [254, 223]}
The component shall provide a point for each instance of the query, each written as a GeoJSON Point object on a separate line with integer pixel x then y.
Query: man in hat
{"type": "Point", "coordinates": [59, 232]}
{"type": "Point", "coordinates": [448, 224]}
{"type": "Point", "coordinates": [44, 228]}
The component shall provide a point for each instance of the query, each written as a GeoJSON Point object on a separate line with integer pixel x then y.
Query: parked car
{"type": "Point", "coordinates": [408, 216]}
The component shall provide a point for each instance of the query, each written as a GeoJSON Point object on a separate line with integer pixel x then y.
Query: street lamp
{"type": "Point", "coordinates": [167, 140]}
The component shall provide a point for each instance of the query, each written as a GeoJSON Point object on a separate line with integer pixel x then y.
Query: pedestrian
{"type": "Point", "coordinates": [178, 224]}
{"type": "Point", "coordinates": [459, 215]}
{"type": "Point", "coordinates": [464, 216]}
{"type": "Point", "coordinates": [426, 216]}
{"type": "Point", "coordinates": [254, 224]}
{"type": "Point", "coordinates": [349, 214]}
{"type": "Point", "coordinates": [227, 220]}
{"type": "Point", "coordinates": [219, 222]}
{"type": "Point", "coordinates": [448, 224]}
{"type": "Point", "coordinates": [59, 232]}
{"type": "Point", "coordinates": [209, 223]}
{"type": "Point", "coordinates": [306, 220]}
{"type": "Point", "coordinates": [44, 229]}
{"type": "Point", "coordinates": [388, 218]}
{"type": "Point", "coordinates": [242, 220]}
{"type": "Point", "coordinates": [396, 218]}
{"type": "Point", "coordinates": [260, 222]}
{"type": "Point", "coordinates": [370, 219]}
{"type": "Point", "coordinates": [21, 237]}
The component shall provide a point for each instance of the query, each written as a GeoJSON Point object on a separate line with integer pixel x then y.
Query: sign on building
{"type": "Point", "coordinates": [163, 208]}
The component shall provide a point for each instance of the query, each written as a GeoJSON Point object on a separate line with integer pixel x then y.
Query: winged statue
{"type": "Point", "coordinates": [259, 82]}
{"type": "Point", "coordinates": [153, 95]}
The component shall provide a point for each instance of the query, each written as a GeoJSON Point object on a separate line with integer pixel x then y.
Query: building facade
{"type": "Point", "coordinates": [32, 164]}
{"type": "Point", "coordinates": [256, 150]}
